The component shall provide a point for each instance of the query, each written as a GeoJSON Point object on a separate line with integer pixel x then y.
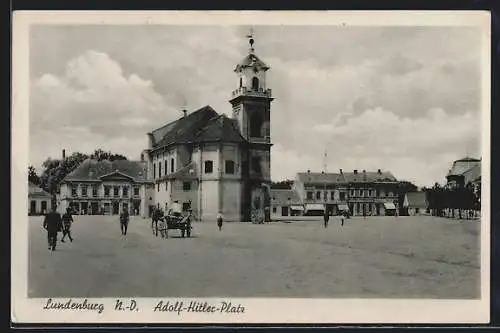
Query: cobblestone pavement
{"type": "Point", "coordinates": [383, 257]}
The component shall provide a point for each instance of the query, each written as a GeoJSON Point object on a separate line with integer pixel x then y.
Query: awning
{"type": "Point", "coordinates": [296, 208]}
{"type": "Point", "coordinates": [389, 205]}
{"type": "Point", "coordinates": [315, 207]}
{"type": "Point", "coordinates": [343, 207]}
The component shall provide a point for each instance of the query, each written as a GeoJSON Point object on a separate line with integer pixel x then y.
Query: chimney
{"type": "Point", "coordinates": [308, 171]}
{"type": "Point", "coordinates": [379, 171]}
{"type": "Point", "coordinates": [355, 171]}
{"type": "Point", "coordinates": [64, 154]}
{"type": "Point", "coordinates": [184, 112]}
{"type": "Point", "coordinates": [341, 171]}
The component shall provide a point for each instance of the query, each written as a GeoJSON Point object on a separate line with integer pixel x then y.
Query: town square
{"type": "Point", "coordinates": [256, 162]}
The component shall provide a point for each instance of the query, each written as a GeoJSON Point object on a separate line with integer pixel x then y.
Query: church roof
{"type": "Point", "coordinates": [251, 60]}
{"type": "Point", "coordinates": [203, 125]}
{"type": "Point", "coordinates": [183, 129]}
{"type": "Point", "coordinates": [220, 129]}
{"type": "Point", "coordinates": [93, 170]}
{"type": "Point", "coordinates": [187, 172]}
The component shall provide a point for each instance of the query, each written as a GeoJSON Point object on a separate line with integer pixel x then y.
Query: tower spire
{"type": "Point", "coordinates": [251, 40]}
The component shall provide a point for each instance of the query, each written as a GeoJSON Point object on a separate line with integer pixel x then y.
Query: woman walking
{"type": "Point", "coordinates": [124, 218]}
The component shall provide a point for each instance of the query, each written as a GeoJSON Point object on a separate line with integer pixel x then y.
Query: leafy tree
{"type": "Point", "coordinates": [282, 185]}
{"type": "Point", "coordinates": [33, 176]}
{"type": "Point", "coordinates": [101, 155]}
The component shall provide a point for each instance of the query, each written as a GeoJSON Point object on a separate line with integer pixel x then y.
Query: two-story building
{"type": "Point", "coordinates": [39, 201]}
{"type": "Point", "coordinates": [364, 192]}
{"type": "Point", "coordinates": [107, 187]}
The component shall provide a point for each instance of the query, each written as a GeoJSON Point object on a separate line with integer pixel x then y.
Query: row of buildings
{"type": "Point", "coordinates": [211, 163]}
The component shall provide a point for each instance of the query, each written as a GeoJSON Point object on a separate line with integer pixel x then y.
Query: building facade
{"type": "Point", "coordinates": [370, 193]}
{"type": "Point", "coordinates": [107, 187]}
{"type": "Point", "coordinates": [415, 203]}
{"type": "Point", "coordinates": [285, 203]}
{"type": "Point", "coordinates": [39, 201]}
{"type": "Point", "coordinates": [464, 171]}
{"type": "Point", "coordinates": [211, 163]}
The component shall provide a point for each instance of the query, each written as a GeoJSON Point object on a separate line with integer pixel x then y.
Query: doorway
{"type": "Point", "coordinates": [116, 208]}
{"type": "Point", "coordinates": [33, 207]}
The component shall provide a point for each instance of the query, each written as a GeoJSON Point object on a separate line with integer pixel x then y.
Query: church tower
{"type": "Point", "coordinates": [251, 102]}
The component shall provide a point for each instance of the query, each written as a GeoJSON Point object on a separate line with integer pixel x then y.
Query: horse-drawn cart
{"type": "Point", "coordinates": [179, 222]}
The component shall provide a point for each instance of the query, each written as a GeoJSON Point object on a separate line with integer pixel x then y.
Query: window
{"type": "Point", "coordinates": [361, 193]}
{"type": "Point", "coordinates": [256, 164]}
{"type": "Point", "coordinates": [186, 186]}
{"type": "Point", "coordinates": [352, 193]}
{"type": "Point", "coordinates": [136, 190]}
{"type": "Point", "coordinates": [154, 170]}
{"type": "Point", "coordinates": [116, 190]}
{"type": "Point", "coordinates": [230, 167]}
{"type": "Point", "coordinates": [332, 195]}
{"type": "Point", "coordinates": [377, 193]}
{"type": "Point", "coordinates": [125, 191]}
{"type": "Point", "coordinates": [369, 193]}
{"type": "Point", "coordinates": [274, 210]}
{"type": "Point", "coordinates": [318, 195]}
{"type": "Point", "coordinates": [342, 196]}
{"type": "Point", "coordinates": [309, 195]}
{"type": "Point", "coordinates": [256, 125]}
{"type": "Point", "coordinates": [158, 187]}
{"type": "Point", "coordinates": [44, 206]}
{"type": "Point", "coordinates": [106, 191]}
{"type": "Point", "coordinates": [166, 186]}
{"type": "Point", "coordinates": [73, 191]}
{"type": "Point", "coordinates": [94, 191]}
{"type": "Point", "coordinates": [209, 166]}
{"type": "Point", "coordinates": [255, 83]}
{"type": "Point", "coordinates": [172, 166]}
{"type": "Point", "coordinates": [159, 169]}
{"type": "Point", "coordinates": [84, 191]}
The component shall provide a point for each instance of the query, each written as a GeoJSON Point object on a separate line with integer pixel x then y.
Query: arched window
{"type": "Point", "coordinates": [256, 125]}
{"type": "Point", "coordinates": [255, 83]}
{"type": "Point", "coordinates": [241, 82]}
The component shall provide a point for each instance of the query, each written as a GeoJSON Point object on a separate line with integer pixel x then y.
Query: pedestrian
{"type": "Point", "coordinates": [219, 221]}
{"type": "Point", "coordinates": [364, 214]}
{"type": "Point", "coordinates": [124, 217]}
{"type": "Point", "coordinates": [53, 224]}
{"type": "Point", "coordinates": [342, 216]}
{"type": "Point", "coordinates": [326, 218]}
{"type": "Point", "coordinates": [67, 221]}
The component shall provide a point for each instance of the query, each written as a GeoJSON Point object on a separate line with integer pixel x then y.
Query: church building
{"type": "Point", "coordinates": [211, 163]}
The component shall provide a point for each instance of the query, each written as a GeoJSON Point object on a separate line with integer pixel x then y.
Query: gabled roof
{"type": "Point", "coordinates": [416, 200]}
{"type": "Point", "coordinates": [187, 172]}
{"type": "Point", "coordinates": [285, 197]}
{"type": "Point", "coordinates": [93, 170]}
{"type": "Point", "coordinates": [251, 60]}
{"type": "Point", "coordinates": [320, 178]}
{"type": "Point", "coordinates": [35, 191]}
{"type": "Point", "coordinates": [183, 129]}
{"type": "Point", "coordinates": [220, 128]}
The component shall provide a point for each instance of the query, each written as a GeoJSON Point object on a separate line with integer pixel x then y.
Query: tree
{"type": "Point", "coordinates": [101, 155]}
{"type": "Point", "coordinates": [282, 185]}
{"type": "Point", "coordinates": [33, 176]}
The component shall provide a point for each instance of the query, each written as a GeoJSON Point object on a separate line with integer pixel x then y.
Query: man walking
{"type": "Point", "coordinates": [67, 221]}
{"type": "Point", "coordinates": [124, 217]}
{"type": "Point", "coordinates": [326, 218]}
{"type": "Point", "coordinates": [219, 221]}
{"type": "Point", "coordinates": [53, 224]}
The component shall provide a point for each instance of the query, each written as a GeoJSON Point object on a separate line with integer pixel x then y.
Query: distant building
{"type": "Point", "coordinates": [416, 203]}
{"type": "Point", "coordinates": [365, 192]}
{"type": "Point", "coordinates": [285, 203]}
{"type": "Point", "coordinates": [464, 171]}
{"type": "Point", "coordinates": [107, 187]}
{"type": "Point", "coordinates": [39, 201]}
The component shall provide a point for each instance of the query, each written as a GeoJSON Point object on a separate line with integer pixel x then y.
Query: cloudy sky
{"type": "Point", "coordinates": [403, 99]}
